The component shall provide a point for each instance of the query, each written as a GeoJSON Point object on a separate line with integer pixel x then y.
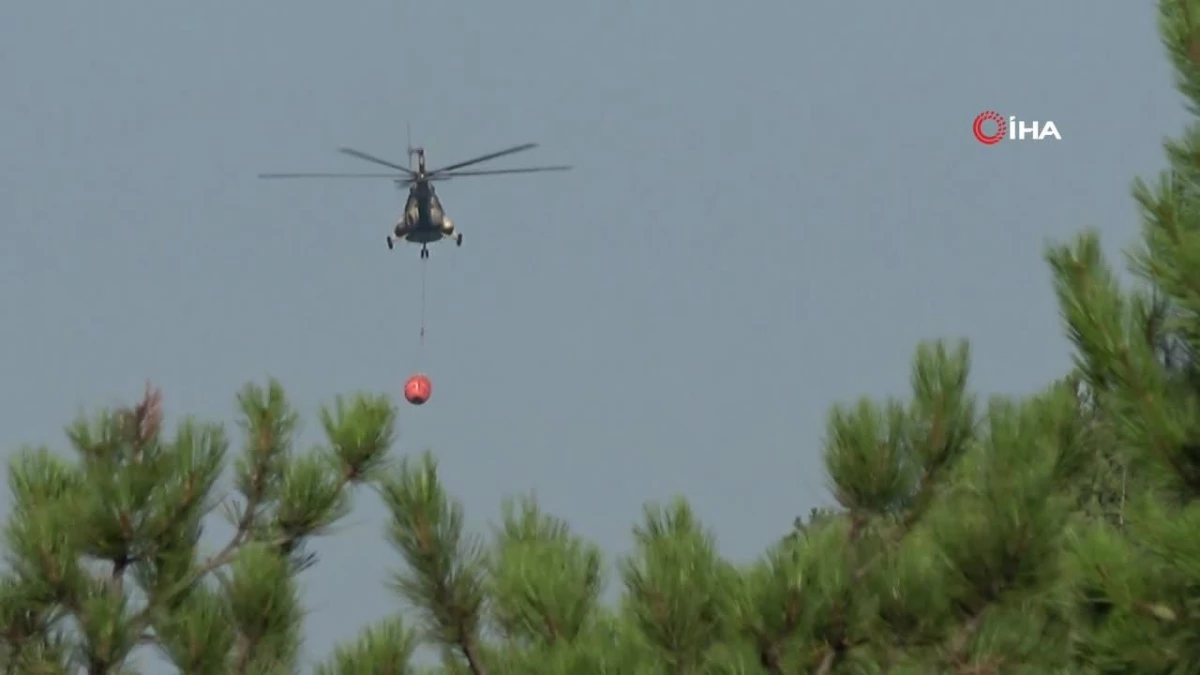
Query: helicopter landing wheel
{"type": "Point", "coordinates": [390, 244]}
{"type": "Point", "coordinates": [458, 239]}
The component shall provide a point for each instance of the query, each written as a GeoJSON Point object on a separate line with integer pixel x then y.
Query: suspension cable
{"type": "Point", "coordinates": [424, 268]}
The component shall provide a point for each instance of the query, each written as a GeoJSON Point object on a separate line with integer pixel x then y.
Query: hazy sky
{"type": "Point", "coordinates": [772, 203]}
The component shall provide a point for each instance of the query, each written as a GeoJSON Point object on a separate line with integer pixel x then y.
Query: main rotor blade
{"type": "Point", "coordinates": [484, 158]}
{"type": "Point", "coordinates": [393, 176]}
{"type": "Point", "coordinates": [371, 158]}
{"type": "Point", "coordinates": [493, 172]}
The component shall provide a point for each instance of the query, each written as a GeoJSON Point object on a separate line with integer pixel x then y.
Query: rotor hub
{"type": "Point", "coordinates": [420, 154]}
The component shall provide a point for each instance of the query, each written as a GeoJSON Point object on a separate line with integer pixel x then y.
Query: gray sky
{"type": "Point", "coordinates": [772, 203]}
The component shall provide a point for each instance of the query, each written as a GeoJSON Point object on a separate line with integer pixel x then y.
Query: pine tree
{"type": "Point", "coordinates": [1135, 582]}
{"type": "Point", "coordinates": [103, 552]}
{"type": "Point", "coordinates": [944, 553]}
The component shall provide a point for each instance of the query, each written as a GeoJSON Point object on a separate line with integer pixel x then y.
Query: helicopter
{"type": "Point", "coordinates": [424, 221]}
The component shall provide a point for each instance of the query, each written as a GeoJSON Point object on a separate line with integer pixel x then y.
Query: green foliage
{"type": "Point", "coordinates": [102, 553]}
{"type": "Point", "coordinates": [545, 581]}
{"type": "Point", "coordinates": [1054, 533]}
{"type": "Point", "coordinates": [958, 543]}
{"type": "Point", "coordinates": [385, 648]}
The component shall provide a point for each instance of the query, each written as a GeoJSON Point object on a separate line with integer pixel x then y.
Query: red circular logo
{"type": "Point", "coordinates": [992, 138]}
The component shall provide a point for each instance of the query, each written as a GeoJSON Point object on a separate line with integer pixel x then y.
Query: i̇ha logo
{"type": "Point", "coordinates": [990, 128]}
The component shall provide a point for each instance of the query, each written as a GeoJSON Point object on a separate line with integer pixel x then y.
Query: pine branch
{"type": "Point", "coordinates": [961, 640]}
{"type": "Point", "coordinates": [827, 662]}
{"type": "Point", "coordinates": [445, 579]}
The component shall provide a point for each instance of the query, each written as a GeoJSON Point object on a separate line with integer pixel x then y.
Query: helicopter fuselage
{"type": "Point", "coordinates": [424, 221]}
